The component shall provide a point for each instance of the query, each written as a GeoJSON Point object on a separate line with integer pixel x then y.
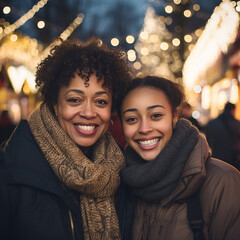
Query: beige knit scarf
{"type": "Point", "coordinates": [97, 179]}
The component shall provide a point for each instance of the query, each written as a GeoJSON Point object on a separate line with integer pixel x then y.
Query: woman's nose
{"type": "Point", "coordinates": [88, 110]}
{"type": "Point", "coordinates": [145, 127]}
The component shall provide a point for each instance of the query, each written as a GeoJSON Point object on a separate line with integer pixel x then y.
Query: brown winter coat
{"type": "Point", "coordinates": [219, 197]}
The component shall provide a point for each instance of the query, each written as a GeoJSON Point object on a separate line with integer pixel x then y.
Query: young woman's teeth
{"type": "Point", "coordinates": [86, 128]}
{"type": "Point", "coordinates": [148, 142]}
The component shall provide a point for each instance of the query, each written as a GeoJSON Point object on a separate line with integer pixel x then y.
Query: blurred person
{"type": "Point", "coordinates": [168, 162]}
{"type": "Point", "coordinates": [6, 126]}
{"type": "Point", "coordinates": [223, 136]}
{"type": "Point", "coordinates": [60, 168]}
{"type": "Point", "coordinates": [186, 112]}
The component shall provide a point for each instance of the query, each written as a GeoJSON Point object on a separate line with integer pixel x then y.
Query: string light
{"type": "Point", "coordinates": [41, 24]}
{"type": "Point", "coordinates": [6, 10]}
{"type": "Point", "coordinates": [11, 28]}
{"type": "Point", "coordinates": [131, 55]}
{"type": "Point", "coordinates": [114, 42]}
{"type": "Point", "coordinates": [65, 34]}
{"type": "Point", "coordinates": [130, 39]}
{"type": "Point", "coordinates": [220, 31]}
{"type": "Point", "coordinates": [168, 9]}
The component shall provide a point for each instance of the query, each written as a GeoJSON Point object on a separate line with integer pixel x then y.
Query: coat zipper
{"type": "Point", "coordinates": [72, 225]}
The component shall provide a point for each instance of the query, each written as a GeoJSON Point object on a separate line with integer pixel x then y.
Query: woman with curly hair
{"type": "Point", "coordinates": [60, 168]}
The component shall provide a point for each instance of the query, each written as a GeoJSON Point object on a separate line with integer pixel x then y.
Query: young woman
{"type": "Point", "coordinates": [60, 169]}
{"type": "Point", "coordinates": [167, 162]}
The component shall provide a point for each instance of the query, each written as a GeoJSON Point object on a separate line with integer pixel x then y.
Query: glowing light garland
{"type": "Point", "coordinates": [65, 34]}
{"type": "Point", "coordinates": [220, 31]}
{"type": "Point", "coordinates": [23, 19]}
{"type": "Point", "coordinates": [25, 52]}
{"type": "Point", "coordinates": [28, 52]}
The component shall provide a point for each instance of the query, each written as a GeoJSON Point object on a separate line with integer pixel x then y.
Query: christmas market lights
{"type": "Point", "coordinates": [11, 28]}
{"type": "Point", "coordinates": [220, 31]}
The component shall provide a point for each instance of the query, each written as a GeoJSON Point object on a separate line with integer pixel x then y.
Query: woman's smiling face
{"type": "Point", "coordinates": [147, 121]}
{"type": "Point", "coordinates": [84, 112]}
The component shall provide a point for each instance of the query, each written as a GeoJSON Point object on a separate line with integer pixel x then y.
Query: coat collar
{"type": "Point", "coordinates": [193, 174]}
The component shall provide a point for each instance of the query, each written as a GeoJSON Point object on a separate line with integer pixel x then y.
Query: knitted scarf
{"type": "Point", "coordinates": [154, 180]}
{"type": "Point", "coordinates": [97, 179]}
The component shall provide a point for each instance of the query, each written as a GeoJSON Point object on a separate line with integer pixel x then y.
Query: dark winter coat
{"type": "Point", "coordinates": [223, 136]}
{"type": "Point", "coordinates": [34, 205]}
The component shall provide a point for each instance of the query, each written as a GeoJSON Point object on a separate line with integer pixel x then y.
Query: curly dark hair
{"type": "Point", "coordinates": [72, 57]}
{"type": "Point", "coordinates": [173, 91]}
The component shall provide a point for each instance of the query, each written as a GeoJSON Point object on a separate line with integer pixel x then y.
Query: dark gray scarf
{"type": "Point", "coordinates": [154, 180]}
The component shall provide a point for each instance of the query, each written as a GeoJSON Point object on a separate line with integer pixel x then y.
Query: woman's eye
{"type": "Point", "coordinates": [156, 115]}
{"type": "Point", "coordinates": [101, 102]}
{"type": "Point", "coordinates": [131, 120]}
{"type": "Point", "coordinates": [73, 100]}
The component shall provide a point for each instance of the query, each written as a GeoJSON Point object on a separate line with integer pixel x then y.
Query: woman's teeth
{"type": "Point", "coordinates": [86, 128]}
{"type": "Point", "coordinates": [148, 142]}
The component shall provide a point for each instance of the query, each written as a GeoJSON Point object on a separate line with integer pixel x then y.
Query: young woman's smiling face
{"type": "Point", "coordinates": [84, 112]}
{"type": "Point", "coordinates": [147, 121]}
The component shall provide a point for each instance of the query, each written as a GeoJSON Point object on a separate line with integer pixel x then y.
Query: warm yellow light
{"type": "Point", "coordinates": [143, 35]}
{"type": "Point", "coordinates": [30, 78]}
{"type": "Point", "coordinates": [145, 60]}
{"type": "Point", "coordinates": [225, 83]}
{"type": "Point", "coordinates": [114, 42]}
{"type": "Point", "coordinates": [131, 55]}
{"type": "Point", "coordinates": [35, 8]}
{"type": "Point", "coordinates": [177, 1]}
{"type": "Point", "coordinates": [221, 100]}
{"type": "Point", "coordinates": [18, 75]}
{"type": "Point", "coordinates": [144, 51]}
{"type": "Point", "coordinates": [198, 32]}
{"type": "Point", "coordinates": [164, 46]}
{"type": "Point", "coordinates": [197, 89]}
{"type": "Point", "coordinates": [137, 65]}
{"type": "Point", "coordinates": [168, 9]}
{"type": "Point", "coordinates": [187, 13]}
{"type": "Point", "coordinates": [233, 3]}
{"type": "Point", "coordinates": [176, 42]}
{"type": "Point", "coordinates": [206, 97]}
{"type": "Point", "coordinates": [234, 92]}
{"type": "Point", "coordinates": [190, 47]}
{"type": "Point", "coordinates": [65, 34]}
{"type": "Point", "coordinates": [22, 19]}
{"type": "Point", "coordinates": [196, 7]}
{"type": "Point", "coordinates": [78, 20]}
{"type": "Point", "coordinates": [188, 38]}
{"type": "Point", "coordinates": [41, 24]}
{"type": "Point", "coordinates": [153, 38]}
{"type": "Point", "coordinates": [130, 39]}
{"type": "Point", "coordinates": [26, 89]}
{"type": "Point", "coordinates": [6, 10]}
{"type": "Point", "coordinates": [196, 114]}
{"type": "Point", "coordinates": [155, 60]}
{"type": "Point", "coordinates": [14, 37]}
{"type": "Point", "coordinates": [219, 33]}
